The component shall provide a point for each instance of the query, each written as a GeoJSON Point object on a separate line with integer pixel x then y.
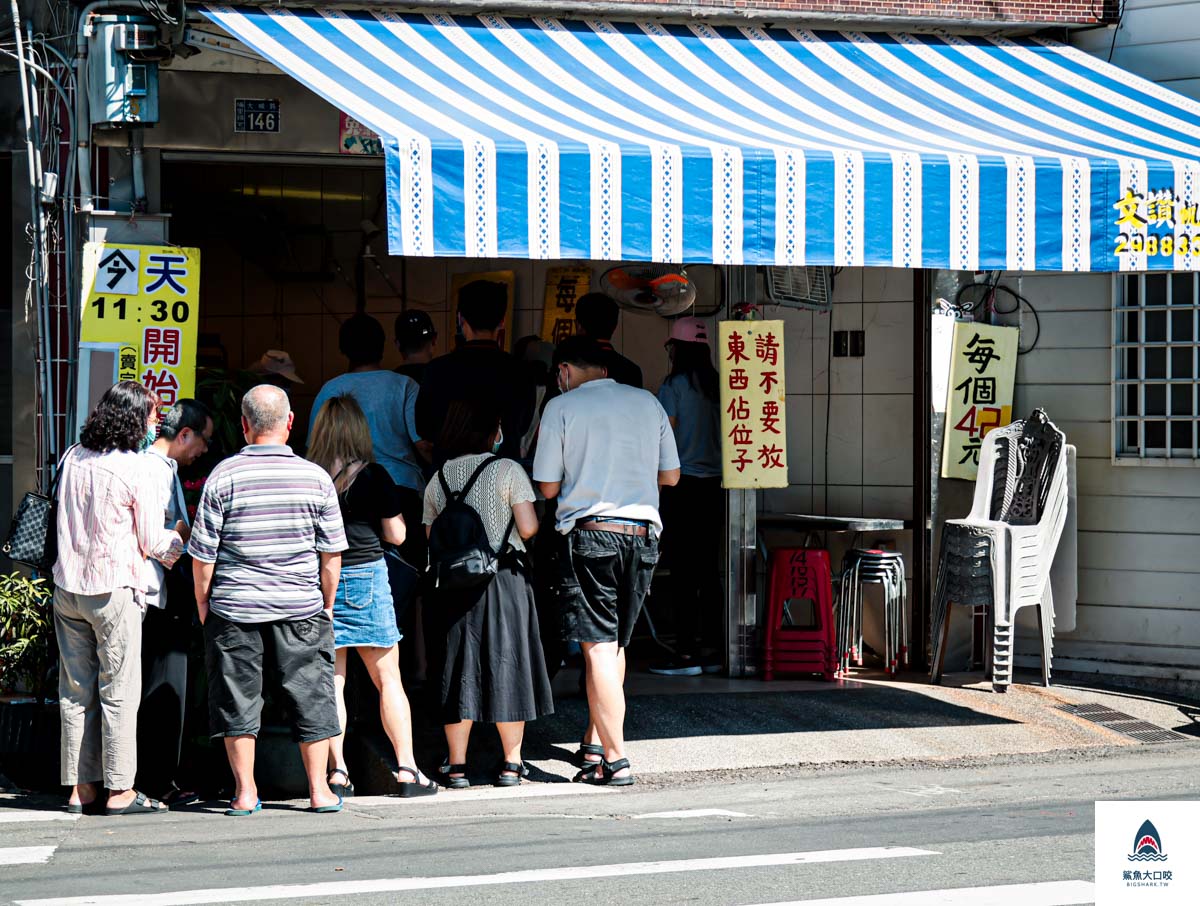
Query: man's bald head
{"type": "Point", "coordinates": [266, 413]}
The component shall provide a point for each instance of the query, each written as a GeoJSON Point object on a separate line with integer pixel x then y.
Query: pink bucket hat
{"type": "Point", "coordinates": [688, 330]}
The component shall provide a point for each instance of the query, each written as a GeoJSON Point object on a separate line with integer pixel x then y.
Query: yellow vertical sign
{"type": "Point", "coordinates": [983, 370]}
{"type": "Point", "coordinates": [564, 286]}
{"type": "Point", "coordinates": [753, 405]}
{"type": "Point", "coordinates": [145, 300]}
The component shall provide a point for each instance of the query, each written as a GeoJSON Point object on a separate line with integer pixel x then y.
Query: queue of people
{"type": "Point", "coordinates": [292, 557]}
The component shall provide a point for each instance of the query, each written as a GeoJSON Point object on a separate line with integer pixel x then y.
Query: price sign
{"type": "Point", "coordinates": [564, 286]}
{"type": "Point", "coordinates": [753, 405]}
{"type": "Point", "coordinates": [256, 115]}
{"type": "Point", "coordinates": [983, 370]}
{"type": "Point", "coordinates": [143, 300]}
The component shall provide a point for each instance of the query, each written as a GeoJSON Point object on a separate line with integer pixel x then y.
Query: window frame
{"type": "Point", "coordinates": [1122, 453]}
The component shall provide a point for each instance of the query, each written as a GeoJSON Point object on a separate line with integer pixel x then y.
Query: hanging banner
{"type": "Point", "coordinates": [564, 286]}
{"type": "Point", "coordinates": [355, 138]}
{"type": "Point", "coordinates": [753, 405]}
{"type": "Point", "coordinates": [983, 370]}
{"type": "Point", "coordinates": [144, 301]}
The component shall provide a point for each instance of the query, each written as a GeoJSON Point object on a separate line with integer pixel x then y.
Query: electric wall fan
{"type": "Point", "coordinates": [656, 289]}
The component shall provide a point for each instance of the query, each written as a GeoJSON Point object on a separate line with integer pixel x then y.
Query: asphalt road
{"type": "Point", "coordinates": [762, 837]}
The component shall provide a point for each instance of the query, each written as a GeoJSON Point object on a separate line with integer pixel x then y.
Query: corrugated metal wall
{"type": "Point", "coordinates": [1139, 525]}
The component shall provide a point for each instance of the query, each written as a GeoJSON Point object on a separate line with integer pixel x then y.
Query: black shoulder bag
{"type": "Point", "coordinates": [33, 535]}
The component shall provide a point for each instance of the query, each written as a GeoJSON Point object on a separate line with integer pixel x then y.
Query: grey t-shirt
{"type": "Point", "coordinates": [606, 443]}
{"type": "Point", "coordinates": [697, 426]}
{"type": "Point", "coordinates": [389, 402]}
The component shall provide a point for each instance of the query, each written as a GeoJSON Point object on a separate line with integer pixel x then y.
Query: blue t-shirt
{"type": "Point", "coordinates": [697, 426]}
{"type": "Point", "coordinates": [389, 402]}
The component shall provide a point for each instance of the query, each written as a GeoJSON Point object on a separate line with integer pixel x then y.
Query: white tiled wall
{"type": "Point", "coordinates": [870, 411]}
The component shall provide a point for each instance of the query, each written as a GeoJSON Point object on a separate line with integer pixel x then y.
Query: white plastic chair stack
{"type": "Point", "coordinates": [1001, 554]}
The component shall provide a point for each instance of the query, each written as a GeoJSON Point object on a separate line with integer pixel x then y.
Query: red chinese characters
{"type": "Point", "coordinates": [751, 356]}
{"type": "Point", "coordinates": [161, 346]}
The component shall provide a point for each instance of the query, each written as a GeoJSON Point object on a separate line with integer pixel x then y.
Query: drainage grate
{"type": "Point", "coordinates": [1140, 730]}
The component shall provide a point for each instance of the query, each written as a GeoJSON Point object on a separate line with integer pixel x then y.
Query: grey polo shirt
{"type": "Point", "coordinates": [606, 443]}
{"type": "Point", "coordinates": [264, 518]}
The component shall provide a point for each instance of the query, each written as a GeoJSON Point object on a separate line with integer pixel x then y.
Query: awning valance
{"type": "Point", "coordinates": [546, 138]}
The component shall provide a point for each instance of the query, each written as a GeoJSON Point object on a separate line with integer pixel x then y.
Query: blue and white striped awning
{"type": "Point", "coordinates": [546, 138]}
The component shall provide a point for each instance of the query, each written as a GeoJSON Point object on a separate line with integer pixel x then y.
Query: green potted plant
{"type": "Point", "coordinates": [28, 650]}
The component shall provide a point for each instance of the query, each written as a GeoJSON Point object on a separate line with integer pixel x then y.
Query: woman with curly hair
{"type": "Point", "coordinates": [109, 522]}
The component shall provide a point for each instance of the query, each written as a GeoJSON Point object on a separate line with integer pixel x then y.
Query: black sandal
{"type": "Point", "coordinates": [141, 805]}
{"type": "Point", "coordinates": [414, 788]}
{"type": "Point", "coordinates": [454, 783]}
{"type": "Point", "coordinates": [608, 768]}
{"type": "Point", "coordinates": [340, 789]}
{"type": "Point", "coordinates": [591, 773]}
{"type": "Point", "coordinates": [589, 748]}
{"type": "Point", "coordinates": [518, 772]}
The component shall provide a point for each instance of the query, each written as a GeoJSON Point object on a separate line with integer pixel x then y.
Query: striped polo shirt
{"type": "Point", "coordinates": [264, 516]}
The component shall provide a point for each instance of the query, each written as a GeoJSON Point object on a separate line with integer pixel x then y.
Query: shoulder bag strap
{"type": "Point", "coordinates": [59, 472]}
{"type": "Point", "coordinates": [341, 472]}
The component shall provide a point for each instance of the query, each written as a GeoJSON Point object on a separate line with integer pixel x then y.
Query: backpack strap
{"type": "Point", "coordinates": [462, 495]}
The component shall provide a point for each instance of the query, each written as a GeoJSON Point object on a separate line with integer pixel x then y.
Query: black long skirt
{"type": "Point", "coordinates": [494, 671]}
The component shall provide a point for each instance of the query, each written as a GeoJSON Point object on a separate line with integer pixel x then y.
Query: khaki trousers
{"type": "Point", "coordinates": [99, 685]}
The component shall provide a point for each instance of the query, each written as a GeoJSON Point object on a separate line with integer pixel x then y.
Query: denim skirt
{"type": "Point", "coordinates": [363, 615]}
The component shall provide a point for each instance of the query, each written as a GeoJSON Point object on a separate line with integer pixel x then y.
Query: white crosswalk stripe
{"type": "Point", "coordinates": [330, 890]}
{"type": "Point", "coordinates": [25, 855]}
{"type": "Point", "coordinates": [23, 815]}
{"type": "Point", "coordinates": [1044, 893]}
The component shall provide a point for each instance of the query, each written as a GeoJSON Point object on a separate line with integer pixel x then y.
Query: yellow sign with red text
{"type": "Point", "coordinates": [753, 404]}
{"type": "Point", "coordinates": [983, 370]}
{"type": "Point", "coordinates": [144, 301]}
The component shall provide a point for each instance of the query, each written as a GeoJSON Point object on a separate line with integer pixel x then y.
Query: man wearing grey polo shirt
{"type": "Point", "coordinates": [604, 450]}
{"type": "Point", "coordinates": [266, 549]}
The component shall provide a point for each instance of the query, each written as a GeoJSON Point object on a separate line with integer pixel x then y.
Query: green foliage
{"type": "Point", "coordinates": [26, 631]}
{"type": "Point", "coordinates": [222, 390]}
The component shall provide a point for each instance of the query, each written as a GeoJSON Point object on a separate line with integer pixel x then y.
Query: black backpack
{"type": "Point", "coordinates": [460, 555]}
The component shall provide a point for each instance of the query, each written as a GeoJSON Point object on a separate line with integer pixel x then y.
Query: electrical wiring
{"type": "Point", "coordinates": [988, 299]}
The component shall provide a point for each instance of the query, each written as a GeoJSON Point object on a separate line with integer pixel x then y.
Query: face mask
{"type": "Point", "coordinates": [564, 386]}
{"type": "Point", "coordinates": [148, 438]}
{"type": "Point", "coordinates": [499, 441]}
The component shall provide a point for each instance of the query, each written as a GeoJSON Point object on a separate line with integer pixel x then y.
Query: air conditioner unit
{"type": "Point", "coordinates": [798, 287]}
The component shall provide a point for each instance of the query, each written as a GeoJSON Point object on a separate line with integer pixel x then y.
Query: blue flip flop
{"type": "Point", "coordinates": [329, 808]}
{"type": "Point", "coordinates": [232, 812]}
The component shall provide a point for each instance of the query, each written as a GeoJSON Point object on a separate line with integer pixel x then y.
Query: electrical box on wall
{"type": "Point", "coordinates": [122, 75]}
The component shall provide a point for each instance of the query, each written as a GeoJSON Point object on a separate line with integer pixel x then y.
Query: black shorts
{"type": "Point", "coordinates": [300, 652]}
{"type": "Point", "coordinates": [603, 579]}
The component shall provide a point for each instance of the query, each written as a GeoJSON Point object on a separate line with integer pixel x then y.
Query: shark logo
{"type": "Point", "coordinates": [1147, 845]}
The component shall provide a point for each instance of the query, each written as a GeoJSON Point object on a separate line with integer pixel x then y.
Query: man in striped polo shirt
{"type": "Point", "coordinates": [266, 547]}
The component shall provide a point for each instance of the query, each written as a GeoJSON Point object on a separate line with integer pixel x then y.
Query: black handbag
{"type": "Point", "coordinates": [33, 535]}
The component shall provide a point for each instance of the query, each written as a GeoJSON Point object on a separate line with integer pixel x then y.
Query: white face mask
{"type": "Point", "coordinates": [564, 384]}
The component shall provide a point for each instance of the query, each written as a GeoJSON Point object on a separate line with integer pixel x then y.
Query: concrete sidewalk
{"type": "Point", "coordinates": [689, 724]}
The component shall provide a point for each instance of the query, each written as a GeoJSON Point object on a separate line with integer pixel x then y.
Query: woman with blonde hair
{"type": "Point", "coordinates": [363, 616]}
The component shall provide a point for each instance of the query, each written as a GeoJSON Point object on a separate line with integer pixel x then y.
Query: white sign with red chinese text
{"type": "Point", "coordinates": [144, 301]}
{"type": "Point", "coordinates": [753, 404]}
{"type": "Point", "coordinates": [983, 369]}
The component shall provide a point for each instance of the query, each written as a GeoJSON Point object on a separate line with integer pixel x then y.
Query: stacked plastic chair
{"type": "Point", "coordinates": [1000, 556]}
{"type": "Point", "coordinates": [799, 574]}
{"type": "Point", "coordinates": [886, 569]}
